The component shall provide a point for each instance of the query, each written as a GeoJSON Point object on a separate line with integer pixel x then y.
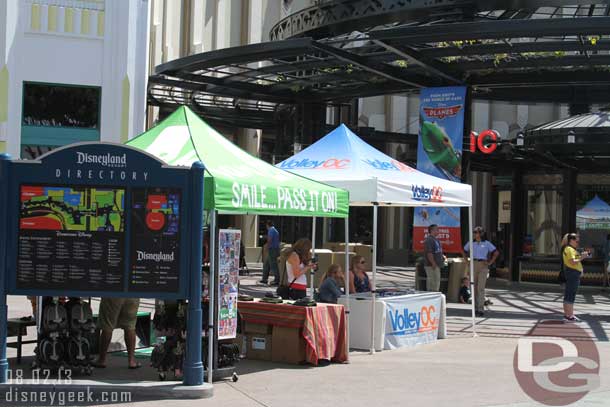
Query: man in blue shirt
{"type": "Point", "coordinates": [484, 254]}
{"type": "Point", "coordinates": [273, 245]}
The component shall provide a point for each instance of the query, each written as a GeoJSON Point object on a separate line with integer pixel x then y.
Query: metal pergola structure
{"type": "Point", "coordinates": [327, 55]}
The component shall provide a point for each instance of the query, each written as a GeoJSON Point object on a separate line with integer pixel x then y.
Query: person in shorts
{"type": "Point", "coordinates": [118, 313]}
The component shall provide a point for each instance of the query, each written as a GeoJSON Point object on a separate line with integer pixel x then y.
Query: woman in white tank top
{"type": "Point", "coordinates": [298, 264]}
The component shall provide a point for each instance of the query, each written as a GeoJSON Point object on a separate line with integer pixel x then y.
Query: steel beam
{"type": "Point", "coordinates": [370, 65]}
{"type": "Point", "coordinates": [241, 55]}
{"type": "Point", "coordinates": [496, 30]}
{"type": "Point", "coordinates": [416, 57]}
{"type": "Point", "coordinates": [514, 48]}
{"type": "Point", "coordinates": [537, 63]}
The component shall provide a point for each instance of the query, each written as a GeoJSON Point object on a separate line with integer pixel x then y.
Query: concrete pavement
{"type": "Point", "coordinates": [458, 371]}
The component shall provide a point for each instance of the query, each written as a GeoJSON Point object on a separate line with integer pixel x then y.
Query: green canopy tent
{"type": "Point", "coordinates": [236, 182]}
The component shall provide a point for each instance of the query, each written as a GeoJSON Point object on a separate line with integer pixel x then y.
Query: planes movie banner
{"type": "Point", "coordinates": [439, 153]}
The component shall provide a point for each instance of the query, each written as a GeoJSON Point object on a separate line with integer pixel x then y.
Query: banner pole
{"type": "Point", "coordinates": [471, 262]}
{"type": "Point", "coordinates": [4, 229]}
{"type": "Point", "coordinates": [193, 366]}
{"type": "Point", "coordinates": [312, 273]}
{"type": "Point", "coordinates": [212, 295]}
{"type": "Point", "coordinates": [347, 275]}
{"type": "Point", "coordinates": [374, 285]}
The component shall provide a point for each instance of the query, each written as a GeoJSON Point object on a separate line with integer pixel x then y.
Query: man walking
{"type": "Point", "coordinates": [484, 254]}
{"type": "Point", "coordinates": [433, 259]}
{"type": "Point", "coordinates": [273, 246]}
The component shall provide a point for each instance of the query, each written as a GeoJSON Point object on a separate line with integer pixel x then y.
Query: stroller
{"type": "Point", "coordinates": [168, 354]}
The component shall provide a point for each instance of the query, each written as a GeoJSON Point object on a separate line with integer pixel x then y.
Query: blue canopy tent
{"type": "Point", "coordinates": [342, 159]}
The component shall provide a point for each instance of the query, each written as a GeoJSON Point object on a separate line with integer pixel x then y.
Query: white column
{"type": "Point", "coordinates": [228, 29]}
{"type": "Point", "coordinates": [11, 25]}
{"type": "Point", "coordinates": [124, 70]}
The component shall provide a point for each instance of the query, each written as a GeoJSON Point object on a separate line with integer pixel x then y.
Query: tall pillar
{"type": "Point", "coordinates": [249, 140]}
{"type": "Point", "coordinates": [517, 209]}
{"type": "Point", "coordinates": [569, 202]}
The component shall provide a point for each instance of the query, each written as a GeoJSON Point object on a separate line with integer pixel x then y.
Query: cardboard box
{"type": "Point", "coordinates": [259, 347]}
{"type": "Point", "coordinates": [250, 328]}
{"type": "Point", "coordinates": [288, 345]}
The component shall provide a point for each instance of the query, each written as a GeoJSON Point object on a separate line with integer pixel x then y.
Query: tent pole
{"type": "Point", "coordinates": [312, 273]}
{"type": "Point", "coordinates": [347, 272]}
{"type": "Point", "coordinates": [471, 263]}
{"type": "Point", "coordinates": [211, 294]}
{"type": "Point", "coordinates": [374, 285]}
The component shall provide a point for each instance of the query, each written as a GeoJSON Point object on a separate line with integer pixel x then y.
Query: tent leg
{"type": "Point", "coordinates": [471, 263]}
{"type": "Point", "coordinates": [312, 273]}
{"type": "Point", "coordinates": [374, 285]}
{"type": "Point", "coordinates": [212, 295]}
{"type": "Point", "coordinates": [347, 307]}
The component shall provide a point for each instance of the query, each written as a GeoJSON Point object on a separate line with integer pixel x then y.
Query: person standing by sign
{"type": "Point", "coordinates": [484, 254]}
{"type": "Point", "coordinates": [118, 313]}
{"type": "Point", "coordinates": [433, 259]}
{"type": "Point", "coordinates": [273, 246]}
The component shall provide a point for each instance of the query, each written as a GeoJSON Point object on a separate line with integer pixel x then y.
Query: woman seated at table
{"type": "Point", "coordinates": [329, 288]}
{"type": "Point", "coordinates": [298, 264]}
{"type": "Point", "coordinates": [359, 280]}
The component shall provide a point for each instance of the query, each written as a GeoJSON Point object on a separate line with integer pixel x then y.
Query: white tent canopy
{"type": "Point", "coordinates": [344, 160]}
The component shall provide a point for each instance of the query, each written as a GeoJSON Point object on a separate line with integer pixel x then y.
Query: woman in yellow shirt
{"type": "Point", "coordinates": [572, 261]}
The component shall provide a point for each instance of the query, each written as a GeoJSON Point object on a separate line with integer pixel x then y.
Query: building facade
{"type": "Point", "coordinates": [71, 71]}
{"type": "Point", "coordinates": [186, 27]}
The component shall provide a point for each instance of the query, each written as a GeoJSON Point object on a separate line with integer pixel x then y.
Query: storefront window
{"type": "Point", "coordinates": [593, 192]}
{"type": "Point", "coordinates": [60, 106]}
{"type": "Point", "coordinates": [544, 209]}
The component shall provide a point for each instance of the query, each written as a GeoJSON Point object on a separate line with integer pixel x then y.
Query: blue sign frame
{"type": "Point", "coordinates": [121, 168]}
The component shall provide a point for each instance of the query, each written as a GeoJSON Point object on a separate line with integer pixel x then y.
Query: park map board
{"type": "Point", "coordinates": [100, 220]}
{"type": "Point", "coordinates": [71, 236]}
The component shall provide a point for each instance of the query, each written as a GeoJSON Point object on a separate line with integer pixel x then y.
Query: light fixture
{"type": "Point", "coordinates": [520, 139]}
{"type": "Point", "coordinates": [571, 137]}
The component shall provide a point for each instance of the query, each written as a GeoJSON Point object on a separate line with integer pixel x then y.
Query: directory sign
{"type": "Point", "coordinates": [98, 219]}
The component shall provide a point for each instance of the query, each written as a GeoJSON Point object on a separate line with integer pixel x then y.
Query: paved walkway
{"type": "Point", "coordinates": [458, 371]}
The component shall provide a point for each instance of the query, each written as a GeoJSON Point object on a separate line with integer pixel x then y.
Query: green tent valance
{"type": "Point", "coordinates": [235, 181]}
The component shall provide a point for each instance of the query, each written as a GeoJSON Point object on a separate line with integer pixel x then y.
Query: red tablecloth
{"type": "Point", "coordinates": [324, 327]}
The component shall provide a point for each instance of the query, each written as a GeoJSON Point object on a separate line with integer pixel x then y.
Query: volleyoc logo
{"type": "Point", "coordinates": [423, 193]}
{"type": "Point", "coordinates": [557, 364]}
{"type": "Point", "coordinates": [392, 165]}
{"type": "Point", "coordinates": [306, 163]}
{"type": "Point", "coordinates": [408, 322]}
